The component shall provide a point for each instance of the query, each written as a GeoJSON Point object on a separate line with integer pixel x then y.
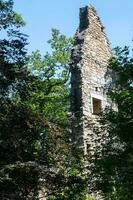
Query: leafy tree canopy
{"type": "Point", "coordinates": [116, 164]}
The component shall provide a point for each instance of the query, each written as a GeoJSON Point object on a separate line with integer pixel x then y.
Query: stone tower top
{"type": "Point", "coordinates": [91, 36]}
{"type": "Point", "coordinates": [86, 14]}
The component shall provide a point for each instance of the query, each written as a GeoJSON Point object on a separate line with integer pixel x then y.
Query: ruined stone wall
{"type": "Point", "coordinates": [89, 81]}
{"type": "Point", "coordinates": [90, 57]}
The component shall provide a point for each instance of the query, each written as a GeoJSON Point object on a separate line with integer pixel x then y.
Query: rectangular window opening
{"type": "Point", "coordinates": [96, 105]}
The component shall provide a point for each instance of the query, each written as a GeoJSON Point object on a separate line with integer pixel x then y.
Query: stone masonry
{"type": "Point", "coordinates": [89, 81]}
{"type": "Point", "coordinates": [90, 77]}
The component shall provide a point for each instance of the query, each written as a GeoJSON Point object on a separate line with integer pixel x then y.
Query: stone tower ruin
{"type": "Point", "coordinates": [90, 77]}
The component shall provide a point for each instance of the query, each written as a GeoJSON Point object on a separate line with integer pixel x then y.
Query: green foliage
{"type": "Point", "coordinates": [53, 71]}
{"type": "Point", "coordinates": [65, 178]}
{"type": "Point", "coordinates": [116, 165]}
{"type": "Point", "coordinates": [89, 197]}
{"type": "Point", "coordinates": [8, 17]}
{"type": "Point", "coordinates": [55, 64]}
{"type": "Point", "coordinates": [18, 19]}
{"type": "Point", "coordinates": [34, 99]}
{"type": "Point", "coordinates": [20, 126]}
{"type": "Point", "coordinates": [73, 184]}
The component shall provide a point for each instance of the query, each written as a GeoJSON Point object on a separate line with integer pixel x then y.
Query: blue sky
{"type": "Point", "coordinates": [42, 15]}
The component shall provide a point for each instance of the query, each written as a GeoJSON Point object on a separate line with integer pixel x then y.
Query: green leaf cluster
{"type": "Point", "coordinates": [35, 100]}
{"type": "Point", "coordinates": [116, 164]}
